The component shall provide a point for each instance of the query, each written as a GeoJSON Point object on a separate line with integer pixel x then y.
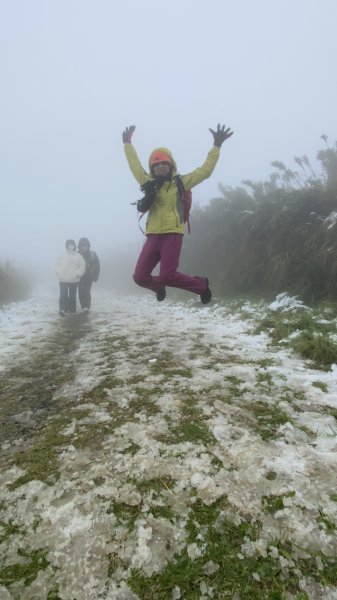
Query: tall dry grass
{"type": "Point", "coordinates": [14, 284]}
{"type": "Point", "coordinates": [273, 236]}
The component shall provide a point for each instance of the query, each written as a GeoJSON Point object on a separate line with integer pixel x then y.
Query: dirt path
{"type": "Point", "coordinates": [165, 451]}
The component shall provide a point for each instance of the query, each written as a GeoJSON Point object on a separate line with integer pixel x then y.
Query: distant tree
{"type": "Point", "coordinates": [14, 284]}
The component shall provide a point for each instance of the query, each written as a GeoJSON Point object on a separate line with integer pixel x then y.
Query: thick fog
{"type": "Point", "coordinates": [75, 73]}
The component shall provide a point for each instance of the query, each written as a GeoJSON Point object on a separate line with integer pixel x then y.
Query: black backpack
{"type": "Point", "coordinates": [93, 266]}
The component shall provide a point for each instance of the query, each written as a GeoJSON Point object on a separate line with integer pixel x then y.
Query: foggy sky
{"type": "Point", "coordinates": [74, 73]}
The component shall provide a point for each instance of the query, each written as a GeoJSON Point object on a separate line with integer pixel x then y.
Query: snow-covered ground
{"type": "Point", "coordinates": [264, 430]}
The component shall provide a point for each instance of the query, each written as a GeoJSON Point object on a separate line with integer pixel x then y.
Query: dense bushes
{"type": "Point", "coordinates": [13, 284]}
{"type": "Point", "coordinates": [279, 235]}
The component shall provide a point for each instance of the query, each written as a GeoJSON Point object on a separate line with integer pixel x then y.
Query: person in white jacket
{"type": "Point", "coordinates": [69, 268]}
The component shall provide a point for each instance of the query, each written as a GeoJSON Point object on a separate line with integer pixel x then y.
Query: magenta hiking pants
{"type": "Point", "coordinates": [164, 248]}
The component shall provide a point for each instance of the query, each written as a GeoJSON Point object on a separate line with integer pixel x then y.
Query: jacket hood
{"type": "Point", "coordinates": [169, 153]}
{"type": "Point", "coordinates": [83, 242]}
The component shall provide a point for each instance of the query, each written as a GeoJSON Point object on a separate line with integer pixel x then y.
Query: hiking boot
{"type": "Point", "coordinates": [161, 295]}
{"type": "Point", "coordinates": [62, 313]}
{"type": "Point", "coordinates": [206, 296]}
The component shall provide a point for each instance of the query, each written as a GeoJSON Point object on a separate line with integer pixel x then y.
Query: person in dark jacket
{"type": "Point", "coordinates": [92, 269]}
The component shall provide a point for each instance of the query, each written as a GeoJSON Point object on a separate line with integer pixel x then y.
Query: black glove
{"type": "Point", "coordinates": [149, 188]}
{"type": "Point", "coordinates": [127, 134]}
{"type": "Point", "coordinates": [220, 135]}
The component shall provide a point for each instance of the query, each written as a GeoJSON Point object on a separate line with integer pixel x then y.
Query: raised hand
{"type": "Point", "coordinates": [127, 134]}
{"type": "Point", "coordinates": [221, 134]}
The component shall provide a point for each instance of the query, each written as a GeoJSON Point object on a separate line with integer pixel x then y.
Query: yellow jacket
{"type": "Point", "coordinates": [165, 214]}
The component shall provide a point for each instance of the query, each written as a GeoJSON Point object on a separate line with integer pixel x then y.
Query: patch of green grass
{"type": "Point", "coordinates": [92, 434]}
{"type": "Point", "coordinates": [110, 342]}
{"type": "Point", "coordinates": [299, 395]}
{"type": "Point", "coordinates": [224, 397]}
{"type": "Point", "coordinates": [40, 461]}
{"type": "Point", "coordinates": [148, 347]}
{"type": "Point", "coordinates": [98, 480]}
{"type": "Point", "coordinates": [99, 392]}
{"type": "Point", "coordinates": [331, 411]}
{"type": "Point", "coordinates": [269, 418]}
{"type": "Point", "coordinates": [216, 462]}
{"type": "Point", "coordinates": [166, 365]}
{"type": "Point", "coordinates": [272, 475]}
{"type": "Point", "coordinates": [146, 400]}
{"type": "Point", "coordinates": [233, 380]}
{"type": "Point", "coordinates": [309, 567]}
{"type": "Point", "coordinates": [234, 385]}
{"type": "Point", "coordinates": [316, 347]}
{"type": "Point", "coordinates": [126, 515]}
{"type": "Point", "coordinates": [333, 497]}
{"type": "Point", "coordinates": [165, 438]}
{"type": "Point", "coordinates": [36, 522]}
{"type": "Point", "coordinates": [114, 561]}
{"type": "Point", "coordinates": [135, 379]}
{"type": "Point", "coordinates": [206, 348]}
{"type": "Point", "coordinates": [185, 373]}
{"type": "Point", "coordinates": [163, 512]}
{"type": "Point", "coordinates": [326, 521]}
{"type": "Point", "coordinates": [275, 325]}
{"type": "Point", "coordinates": [281, 324]}
{"type": "Point", "coordinates": [312, 342]}
{"type": "Point", "coordinates": [192, 431]}
{"type": "Point", "coordinates": [192, 425]}
{"type": "Point", "coordinates": [265, 362]}
{"type": "Point", "coordinates": [53, 595]}
{"type": "Point", "coordinates": [7, 530]}
{"type": "Point", "coordinates": [326, 576]}
{"type": "Point", "coordinates": [272, 504]}
{"type": "Point", "coordinates": [131, 449]}
{"type": "Point", "coordinates": [264, 377]}
{"type": "Point", "coordinates": [322, 386]}
{"type": "Point", "coordinates": [156, 484]}
{"type": "Point", "coordinates": [221, 542]}
{"type": "Point", "coordinates": [291, 395]}
{"type": "Point", "coordinates": [311, 434]}
{"type": "Point", "coordinates": [147, 392]}
{"type": "Point", "coordinates": [28, 571]}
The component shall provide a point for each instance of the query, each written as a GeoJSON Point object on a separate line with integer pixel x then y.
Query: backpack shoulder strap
{"type": "Point", "coordinates": [186, 196]}
{"type": "Point", "coordinates": [179, 183]}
